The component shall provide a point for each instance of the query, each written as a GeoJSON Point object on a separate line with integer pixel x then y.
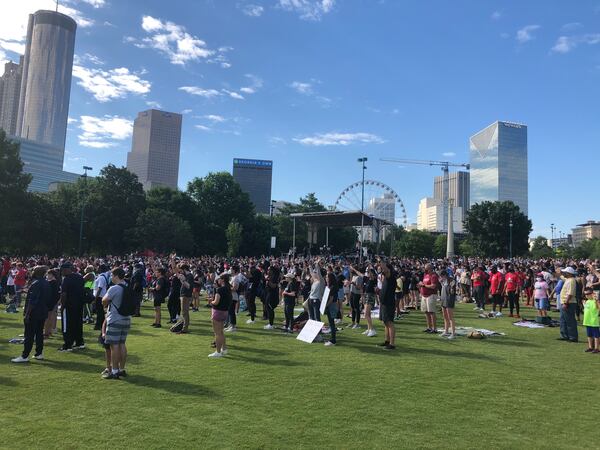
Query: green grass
{"type": "Point", "coordinates": [524, 390]}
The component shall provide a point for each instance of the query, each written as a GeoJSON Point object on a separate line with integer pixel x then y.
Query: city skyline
{"type": "Point", "coordinates": [325, 101]}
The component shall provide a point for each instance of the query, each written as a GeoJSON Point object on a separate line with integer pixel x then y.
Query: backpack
{"type": "Point", "coordinates": [127, 301]}
{"type": "Point", "coordinates": [88, 295]}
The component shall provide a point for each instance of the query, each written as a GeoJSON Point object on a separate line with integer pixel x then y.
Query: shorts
{"type": "Point", "coordinates": [450, 302]}
{"type": "Point", "coordinates": [428, 304]}
{"type": "Point", "coordinates": [387, 313]}
{"type": "Point", "coordinates": [219, 315]}
{"type": "Point", "coordinates": [116, 333]}
{"type": "Point", "coordinates": [369, 299]}
{"type": "Point", "coordinates": [593, 332]}
{"type": "Point", "coordinates": [498, 299]}
{"type": "Point", "coordinates": [158, 301]}
{"type": "Point", "coordinates": [399, 295]}
{"type": "Point", "coordinates": [542, 304]}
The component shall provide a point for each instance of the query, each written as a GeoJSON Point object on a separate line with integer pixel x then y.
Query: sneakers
{"type": "Point", "coordinates": [389, 347]}
{"type": "Point", "coordinates": [80, 347]}
{"type": "Point", "coordinates": [451, 337]}
{"type": "Point", "coordinates": [427, 330]}
{"type": "Point", "coordinates": [329, 344]}
{"type": "Point", "coordinates": [231, 329]}
{"type": "Point", "coordinates": [445, 334]}
{"type": "Point", "coordinates": [105, 371]}
{"type": "Point", "coordinates": [383, 344]}
{"type": "Point", "coordinates": [224, 351]}
{"type": "Point", "coordinates": [215, 355]}
{"type": "Point", "coordinates": [65, 349]}
{"type": "Point", "coordinates": [39, 357]}
{"type": "Point", "coordinates": [371, 333]}
{"type": "Point", "coordinates": [122, 373]}
{"type": "Point", "coordinates": [268, 327]}
{"type": "Point", "coordinates": [250, 322]}
{"type": "Point", "coordinates": [587, 350]}
{"type": "Point", "coordinates": [365, 332]}
{"type": "Point", "coordinates": [20, 359]}
{"type": "Point", "coordinates": [337, 321]}
{"type": "Point", "coordinates": [110, 375]}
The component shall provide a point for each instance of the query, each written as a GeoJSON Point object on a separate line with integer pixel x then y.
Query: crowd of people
{"type": "Point", "coordinates": [107, 292]}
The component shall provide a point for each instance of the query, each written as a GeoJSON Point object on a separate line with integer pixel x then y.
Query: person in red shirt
{"type": "Point", "coordinates": [20, 281]}
{"type": "Point", "coordinates": [511, 287]}
{"type": "Point", "coordinates": [478, 280]}
{"type": "Point", "coordinates": [429, 289]}
{"type": "Point", "coordinates": [496, 288]}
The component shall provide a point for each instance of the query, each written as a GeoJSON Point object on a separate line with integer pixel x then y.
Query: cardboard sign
{"type": "Point", "coordinates": [310, 331]}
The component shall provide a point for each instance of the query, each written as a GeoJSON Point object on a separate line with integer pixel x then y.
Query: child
{"type": "Point", "coordinates": [541, 295]}
{"type": "Point", "coordinates": [591, 320]}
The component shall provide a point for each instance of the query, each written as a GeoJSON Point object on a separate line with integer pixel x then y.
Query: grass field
{"type": "Point", "coordinates": [524, 390]}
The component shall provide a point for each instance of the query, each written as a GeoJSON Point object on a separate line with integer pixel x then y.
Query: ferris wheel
{"type": "Point", "coordinates": [381, 201]}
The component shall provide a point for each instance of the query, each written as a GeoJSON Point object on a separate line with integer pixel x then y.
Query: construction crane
{"type": "Point", "coordinates": [445, 165]}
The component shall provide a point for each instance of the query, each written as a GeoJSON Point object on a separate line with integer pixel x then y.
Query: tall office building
{"type": "Point", "coordinates": [255, 178]}
{"type": "Point", "coordinates": [10, 87]}
{"type": "Point", "coordinates": [499, 164]}
{"type": "Point", "coordinates": [431, 216]}
{"type": "Point", "coordinates": [458, 190]}
{"type": "Point", "coordinates": [154, 155]}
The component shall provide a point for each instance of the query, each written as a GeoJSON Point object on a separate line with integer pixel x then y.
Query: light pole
{"type": "Point", "coordinates": [510, 226]}
{"type": "Point", "coordinates": [362, 160]}
{"type": "Point", "coordinates": [84, 176]}
{"type": "Point", "coordinates": [271, 211]}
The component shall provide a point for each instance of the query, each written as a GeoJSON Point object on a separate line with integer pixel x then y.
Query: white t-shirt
{"type": "Point", "coordinates": [115, 294]}
{"type": "Point", "coordinates": [101, 284]}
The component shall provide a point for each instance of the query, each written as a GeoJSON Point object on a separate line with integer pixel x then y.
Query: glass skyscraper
{"type": "Point", "coordinates": [498, 156]}
{"type": "Point", "coordinates": [254, 177]}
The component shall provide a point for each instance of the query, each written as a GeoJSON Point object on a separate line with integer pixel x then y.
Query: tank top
{"type": "Point", "coordinates": [590, 314]}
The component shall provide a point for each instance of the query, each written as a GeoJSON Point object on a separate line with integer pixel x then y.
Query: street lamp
{"type": "Point", "coordinates": [362, 160]}
{"type": "Point", "coordinates": [84, 176]}
{"type": "Point", "coordinates": [271, 211]}
{"type": "Point", "coordinates": [510, 226]}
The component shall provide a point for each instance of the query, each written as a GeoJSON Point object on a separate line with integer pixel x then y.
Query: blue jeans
{"type": "Point", "coordinates": [314, 306]}
{"type": "Point", "coordinates": [568, 324]}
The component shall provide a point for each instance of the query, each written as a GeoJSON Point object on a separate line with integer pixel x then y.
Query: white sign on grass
{"type": "Point", "coordinates": [324, 300]}
{"type": "Point", "coordinates": [310, 331]}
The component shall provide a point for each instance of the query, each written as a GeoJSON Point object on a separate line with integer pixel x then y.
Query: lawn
{"type": "Point", "coordinates": [523, 390]}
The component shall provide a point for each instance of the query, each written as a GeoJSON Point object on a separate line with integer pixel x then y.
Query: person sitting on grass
{"type": "Point", "coordinates": [34, 315]}
{"type": "Point", "coordinates": [220, 310]}
{"type": "Point", "coordinates": [117, 325]}
{"type": "Point", "coordinates": [591, 321]}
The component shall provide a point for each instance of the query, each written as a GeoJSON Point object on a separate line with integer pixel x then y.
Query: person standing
{"type": "Point", "coordinates": [238, 281]}
{"type": "Point", "coordinates": [511, 288]}
{"type": "Point", "coordinates": [369, 300]}
{"type": "Point", "coordinates": [117, 325]}
{"type": "Point", "coordinates": [220, 307]}
{"type": "Point", "coordinates": [137, 285]}
{"type": "Point", "coordinates": [101, 284]}
{"type": "Point", "coordinates": [568, 324]}
{"type": "Point", "coordinates": [591, 321]}
{"type": "Point", "coordinates": [387, 304]}
{"type": "Point", "coordinates": [331, 307]}
{"type": "Point", "coordinates": [448, 298]}
{"type": "Point", "coordinates": [429, 288]}
{"type": "Point", "coordinates": [496, 289]}
{"type": "Point", "coordinates": [71, 300]}
{"type": "Point", "coordinates": [272, 294]}
{"type": "Point", "coordinates": [160, 290]}
{"type": "Point", "coordinates": [187, 285]}
{"type": "Point", "coordinates": [254, 283]}
{"type": "Point", "coordinates": [34, 315]}
{"type": "Point", "coordinates": [541, 295]}
{"type": "Point", "coordinates": [316, 292]}
{"type": "Point", "coordinates": [478, 282]}
{"type": "Point", "coordinates": [356, 293]}
{"type": "Point", "coordinates": [52, 277]}
{"type": "Point", "coordinates": [289, 301]}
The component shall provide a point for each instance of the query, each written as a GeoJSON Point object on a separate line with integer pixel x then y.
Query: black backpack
{"type": "Point", "coordinates": [127, 301]}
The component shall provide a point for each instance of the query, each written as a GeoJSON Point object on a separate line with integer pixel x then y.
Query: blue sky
{"type": "Point", "coordinates": [313, 85]}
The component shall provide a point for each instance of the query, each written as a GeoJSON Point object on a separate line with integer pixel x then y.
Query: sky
{"type": "Point", "coordinates": [315, 84]}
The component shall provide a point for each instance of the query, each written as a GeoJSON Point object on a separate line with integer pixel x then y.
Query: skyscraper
{"type": "Point", "coordinates": [458, 190]}
{"type": "Point", "coordinates": [46, 80]}
{"type": "Point", "coordinates": [154, 155]}
{"type": "Point", "coordinates": [431, 216]}
{"type": "Point", "coordinates": [10, 87]}
{"type": "Point", "coordinates": [255, 177]}
{"type": "Point", "coordinates": [499, 164]}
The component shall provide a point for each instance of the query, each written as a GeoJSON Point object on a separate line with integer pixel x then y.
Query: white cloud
{"type": "Point", "coordinates": [186, 111]}
{"type": "Point", "coordinates": [308, 9]}
{"type": "Point", "coordinates": [214, 118]}
{"type": "Point", "coordinates": [253, 10]}
{"type": "Point", "coordinates": [71, 120]}
{"type": "Point", "coordinates": [95, 3]}
{"type": "Point", "coordinates": [153, 104]}
{"type": "Point", "coordinates": [13, 46]}
{"type": "Point", "coordinates": [102, 132]}
{"type": "Point", "coordinates": [256, 84]}
{"type": "Point", "coordinates": [564, 44]}
{"type": "Point", "coordinates": [302, 88]}
{"type": "Point", "coordinates": [449, 154]}
{"type": "Point", "coordinates": [175, 42]}
{"type": "Point", "coordinates": [340, 139]}
{"type": "Point", "coordinates": [525, 34]}
{"type": "Point", "coordinates": [571, 26]}
{"type": "Point", "coordinates": [497, 15]}
{"type": "Point", "coordinates": [234, 94]}
{"type": "Point", "coordinates": [195, 90]}
{"type": "Point", "coordinates": [107, 85]}
{"type": "Point", "coordinates": [203, 127]}
{"type": "Point", "coordinates": [276, 140]}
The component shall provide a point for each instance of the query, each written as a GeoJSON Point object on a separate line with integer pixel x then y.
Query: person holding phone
{"type": "Point", "coordinates": [220, 310]}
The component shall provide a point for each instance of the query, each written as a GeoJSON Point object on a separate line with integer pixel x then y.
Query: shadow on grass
{"type": "Point", "coordinates": [262, 361]}
{"type": "Point", "coordinates": [5, 381]}
{"type": "Point", "coordinates": [172, 386]}
{"type": "Point", "coordinates": [401, 350]}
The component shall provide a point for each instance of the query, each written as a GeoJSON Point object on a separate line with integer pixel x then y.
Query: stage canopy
{"type": "Point", "coordinates": [339, 219]}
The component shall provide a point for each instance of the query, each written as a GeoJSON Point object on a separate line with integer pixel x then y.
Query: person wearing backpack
{"type": "Point", "coordinates": [119, 304]}
{"type": "Point", "coordinates": [101, 285]}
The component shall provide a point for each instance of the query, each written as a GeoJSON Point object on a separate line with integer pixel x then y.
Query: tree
{"type": "Point", "coordinates": [161, 231]}
{"type": "Point", "coordinates": [234, 238]}
{"type": "Point", "coordinates": [587, 249]}
{"type": "Point", "coordinates": [219, 200]}
{"type": "Point", "coordinates": [13, 191]}
{"type": "Point", "coordinates": [440, 246]}
{"type": "Point", "coordinates": [488, 229]}
{"type": "Point", "coordinates": [540, 248]}
{"type": "Point", "coordinates": [415, 244]}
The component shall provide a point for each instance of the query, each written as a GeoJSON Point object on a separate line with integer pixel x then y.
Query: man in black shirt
{"type": "Point", "coordinates": [187, 286]}
{"type": "Point", "coordinates": [71, 300]}
{"type": "Point", "coordinates": [387, 302]}
{"type": "Point", "coordinates": [255, 281]}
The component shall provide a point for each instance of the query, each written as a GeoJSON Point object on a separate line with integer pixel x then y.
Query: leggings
{"type": "Point", "coordinates": [331, 312]}
{"type": "Point", "coordinates": [355, 305]}
{"type": "Point", "coordinates": [251, 302]}
{"type": "Point", "coordinates": [289, 303]}
{"type": "Point", "coordinates": [513, 301]}
{"type": "Point", "coordinates": [232, 316]}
